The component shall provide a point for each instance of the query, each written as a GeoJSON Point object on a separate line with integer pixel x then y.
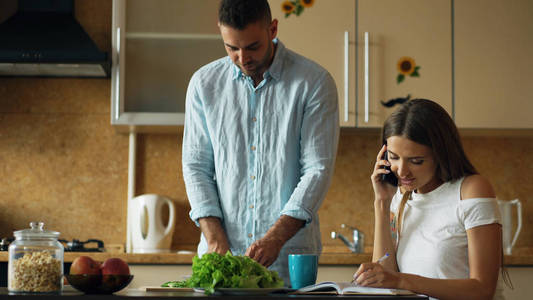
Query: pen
{"type": "Point", "coordinates": [379, 261]}
{"type": "Point", "coordinates": [384, 257]}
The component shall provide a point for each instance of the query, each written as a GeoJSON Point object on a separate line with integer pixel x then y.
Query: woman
{"type": "Point", "coordinates": [446, 233]}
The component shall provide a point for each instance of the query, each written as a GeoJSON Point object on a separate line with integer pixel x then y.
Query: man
{"type": "Point", "coordinates": [259, 145]}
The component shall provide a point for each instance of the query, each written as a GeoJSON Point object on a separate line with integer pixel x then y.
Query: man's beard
{"type": "Point", "coordinates": [258, 67]}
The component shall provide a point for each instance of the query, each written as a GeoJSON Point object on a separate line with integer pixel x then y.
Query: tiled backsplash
{"type": "Point", "coordinates": [63, 163]}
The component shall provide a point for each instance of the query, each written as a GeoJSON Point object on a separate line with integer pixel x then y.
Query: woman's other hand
{"type": "Point", "coordinates": [383, 191]}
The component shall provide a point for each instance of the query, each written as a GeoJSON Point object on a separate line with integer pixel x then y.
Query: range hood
{"type": "Point", "coordinates": [42, 38]}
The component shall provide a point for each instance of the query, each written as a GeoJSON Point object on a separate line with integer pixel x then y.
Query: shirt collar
{"type": "Point", "coordinates": [275, 68]}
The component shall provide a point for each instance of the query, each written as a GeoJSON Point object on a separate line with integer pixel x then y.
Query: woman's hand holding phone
{"type": "Point", "coordinates": [390, 178]}
{"type": "Point", "coordinates": [383, 190]}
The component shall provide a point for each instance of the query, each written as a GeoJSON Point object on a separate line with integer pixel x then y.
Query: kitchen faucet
{"type": "Point", "coordinates": [358, 244]}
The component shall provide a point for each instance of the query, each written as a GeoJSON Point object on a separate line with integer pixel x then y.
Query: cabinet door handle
{"type": "Point", "coordinates": [346, 74]}
{"type": "Point", "coordinates": [117, 77]}
{"type": "Point", "coordinates": [367, 83]}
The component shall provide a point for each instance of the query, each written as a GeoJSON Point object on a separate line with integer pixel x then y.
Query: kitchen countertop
{"type": "Point", "coordinates": [179, 259]}
{"type": "Point", "coordinates": [520, 257]}
{"type": "Point", "coordinates": [139, 294]}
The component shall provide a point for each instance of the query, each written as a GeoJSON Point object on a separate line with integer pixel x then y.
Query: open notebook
{"type": "Point", "coordinates": [330, 287]}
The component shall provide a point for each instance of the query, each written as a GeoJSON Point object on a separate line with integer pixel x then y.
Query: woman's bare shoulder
{"type": "Point", "coordinates": [476, 186]}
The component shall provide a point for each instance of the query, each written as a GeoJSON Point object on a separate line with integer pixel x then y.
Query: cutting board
{"type": "Point", "coordinates": [165, 289]}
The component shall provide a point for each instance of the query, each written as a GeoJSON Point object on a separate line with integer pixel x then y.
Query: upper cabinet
{"type": "Point", "coordinates": [361, 42]}
{"type": "Point", "coordinates": [325, 32]}
{"type": "Point", "coordinates": [157, 46]}
{"type": "Point", "coordinates": [415, 34]}
{"type": "Point", "coordinates": [471, 56]}
{"type": "Point", "coordinates": [494, 63]}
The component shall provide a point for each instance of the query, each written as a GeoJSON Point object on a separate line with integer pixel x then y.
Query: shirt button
{"type": "Point", "coordinates": [252, 206]}
{"type": "Point", "coordinates": [253, 177]}
{"type": "Point", "coordinates": [254, 119]}
{"type": "Point", "coordinates": [250, 235]}
{"type": "Point", "coordinates": [253, 148]}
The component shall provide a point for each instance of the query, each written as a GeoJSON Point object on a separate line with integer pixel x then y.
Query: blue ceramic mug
{"type": "Point", "coordinates": [302, 269]}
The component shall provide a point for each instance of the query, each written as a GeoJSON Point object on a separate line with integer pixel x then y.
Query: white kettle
{"type": "Point", "coordinates": [507, 223]}
{"type": "Point", "coordinates": [148, 233]}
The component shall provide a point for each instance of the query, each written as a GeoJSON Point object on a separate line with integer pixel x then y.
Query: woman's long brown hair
{"type": "Point", "coordinates": [427, 123]}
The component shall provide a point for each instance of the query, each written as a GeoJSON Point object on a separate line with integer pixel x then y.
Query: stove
{"type": "Point", "coordinates": [4, 243]}
{"type": "Point", "coordinates": [90, 245]}
{"type": "Point", "coordinates": [80, 246]}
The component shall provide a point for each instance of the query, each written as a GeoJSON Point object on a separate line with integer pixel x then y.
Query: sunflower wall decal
{"type": "Point", "coordinates": [295, 6]}
{"type": "Point", "coordinates": [407, 67]}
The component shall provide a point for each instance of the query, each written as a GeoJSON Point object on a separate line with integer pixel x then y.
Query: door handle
{"type": "Point", "coordinates": [346, 74]}
{"type": "Point", "coordinates": [117, 76]}
{"type": "Point", "coordinates": [367, 80]}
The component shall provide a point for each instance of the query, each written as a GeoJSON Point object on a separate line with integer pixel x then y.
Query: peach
{"type": "Point", "coordinates": [115, 266]}
{"type": "Point", "coordinates": [85, 265]}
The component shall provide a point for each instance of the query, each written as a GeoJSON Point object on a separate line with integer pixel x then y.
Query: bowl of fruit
{"type": "Point", "coordinates": [92, 277]}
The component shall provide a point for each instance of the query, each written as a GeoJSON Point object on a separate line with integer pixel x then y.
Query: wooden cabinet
{"type": "Point", "coordinates": [521, 278]}
{"type": "Point", "coordinates": [325, 33]}
{"type": "Point", "coordinates": [494, 63]}
{"type": "Point", "coordinates": [157, 46]}
{"type": "Point", "coordinates": [388, 30]}
{"type": "Point", "coordinates": [156, 275]}
{"type": "Point", "coordinates": [332, 33]}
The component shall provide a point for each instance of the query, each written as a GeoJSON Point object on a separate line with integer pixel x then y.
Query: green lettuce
{"type": "Point", "coordinates": [214, 271]}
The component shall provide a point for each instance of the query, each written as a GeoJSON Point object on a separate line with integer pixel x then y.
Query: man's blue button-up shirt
{"type": "Point", "coordinates": [251, 154]}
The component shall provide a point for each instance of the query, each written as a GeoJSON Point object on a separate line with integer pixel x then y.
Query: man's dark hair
{"type": "Point", "coordinates": [240, 13]}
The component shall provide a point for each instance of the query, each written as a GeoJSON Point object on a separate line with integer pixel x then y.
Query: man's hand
{"type": "Point", "coordinates": [217, 240]}
{"type": "Point", "coordinates": [266, 250]}
{"type": "Point", "coordinates": [220, 247]}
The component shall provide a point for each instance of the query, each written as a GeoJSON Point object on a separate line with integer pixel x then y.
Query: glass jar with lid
{"type": "Point", "coordinates": [35, 261]}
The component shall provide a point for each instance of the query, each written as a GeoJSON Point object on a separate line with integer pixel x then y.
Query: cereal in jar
{"type": "Point", "coordinates": [35, 261]}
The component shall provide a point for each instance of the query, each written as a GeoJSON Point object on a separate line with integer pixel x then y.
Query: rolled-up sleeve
{"type": "Point", "coordinates": [318, 144]}
{"type": "Point", "coordinates": [197, 158]}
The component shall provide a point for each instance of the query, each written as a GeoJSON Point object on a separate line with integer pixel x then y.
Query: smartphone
{"type": "Point", "coordinates": [390, 178]}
